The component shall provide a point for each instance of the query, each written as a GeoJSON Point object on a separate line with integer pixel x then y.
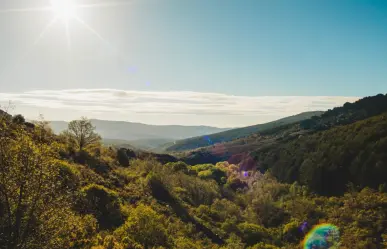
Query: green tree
{"type": "Point", "coordinates": [104, 204]}
{"type": "Point", "coordinates": [263, 246]}
{"type": "Point", "coordinates": [34, 209]}
{"type": "Point", "coordinates": [82, 133]}
{"type": "Point", "coordinates": [122, 157]}
{"type": "Point", "coordinates": [145, 227]}
{"type": "Point", "coordinates": [234, 242]}
{"type": "Point", "coordinates": [18, 119]}
{"type": "Point", "coordinates": [252, 234]}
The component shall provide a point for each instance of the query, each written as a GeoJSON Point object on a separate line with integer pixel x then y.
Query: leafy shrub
{"type": "Point", "coordinates": [209, 171]}
{"type": "Point", "coordinates": [236, 183]}
{"type": "Point", "coordinates": [145, 227]}
{"type": "Point", "coordinates": [262, 245]}
{"type": "Point", "coordinates": [252, 233]}
{"type": "Point", "coordinates": [104, 204]}
{"type": "Point", "coordinates": [291, 231]}
{"type": "Point", "coordinates": [18, 119]}
{"type": "Point", "coordinates": [122, 158]}
{"type": "Point", "coordinates": [178, 166]}
{"type": "Point", "coordinates": [69, 175]}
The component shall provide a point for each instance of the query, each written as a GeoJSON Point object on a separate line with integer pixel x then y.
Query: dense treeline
{"type": "Point", "coordinates": [345, 145]}
{"type": "Point", "coordinates": [327, 161]}
{"type": "Point", "coordinates": [226, 136]}
{"type": "Point", "coordinates": [68, 191]}
{"type": "Point", "coordinates": [348, 113]}
{"type": "Point", "coordinates": [278, 134]}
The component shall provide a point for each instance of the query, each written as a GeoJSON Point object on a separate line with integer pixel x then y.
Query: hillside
{"type": "Point", "coordinates": [348, 113]}
{"type": "Point", "coordinates": [221, 137]}
{"type": "Point", "coordinates": [143, 134]}
{"type": "Point", "coordinates": [327, 161]}
{"type": "Point", "coordinates": [239, 149]}
{"type": "Point", "coordinates": [343, 144]}
{"type": "Point", "coordinates": [103, 198]}
{"type": "Point", "coordinates": [142, 144]}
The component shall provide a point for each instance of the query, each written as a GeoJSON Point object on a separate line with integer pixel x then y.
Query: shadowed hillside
{"type": "Point", "coordinates": [142, 144]}
{"type": "Point", "coordinates": [327, 161]}
{"type": "Point", "coordinates": [197, 142]}
{"type": "Point", "coordinates": [249, 151]}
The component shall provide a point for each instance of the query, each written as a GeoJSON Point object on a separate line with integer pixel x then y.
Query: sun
{"type": "Point", "coordinates": [64, 9]}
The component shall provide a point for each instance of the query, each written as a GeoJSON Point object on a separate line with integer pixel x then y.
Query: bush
{"type": "Point", "coordinates": [198, 191]}
{"type": "Point", "coordinates": [185, 243]}
{"type": "Point", "coordinates": [209, 171]}
{"type": "Point", "coordinates": [178, 166]}
{"type": "Point", "coordinates": [252, 234]}
{"type": "Point", "coordinates": [69, 175]}
{"type": "Point", "coordinates": [263, 246]}
{"type": "Point", "coordinates": [103, 204]}
{"type": "Point", "coordinates": [18, 119]}
{"type": "Point", "coordinates": [235, 183]}
{"type": "Point", "coordinates": [122, 158]}
{"type": "Point", "coordinates": [145, 227]}
{"type": "Point", "coordinates": [292, 232]}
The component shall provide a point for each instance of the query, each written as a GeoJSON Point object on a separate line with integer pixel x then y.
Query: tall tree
{"type": "Point", "coordinates": [82, 133]}
{"type": "Point", "coordinates": [33, 209]}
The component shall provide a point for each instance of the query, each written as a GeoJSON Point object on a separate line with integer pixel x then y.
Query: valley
{"type": "Point", "coordinates": [265, 189]}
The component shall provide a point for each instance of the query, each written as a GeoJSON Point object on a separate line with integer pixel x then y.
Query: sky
{"type": "Point", "coordinates": [222, 63]}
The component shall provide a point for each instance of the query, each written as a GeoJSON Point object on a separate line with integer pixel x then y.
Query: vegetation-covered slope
{"type": "Point", "coordinates": [348, 113]}
{"type": "Point", "coordinates": [240, 150]}
{"type": "Point", "coordinates": [326, 161]}
{"type": "Point", "coordinates": [55, 193]}
{"type": "Point", "coordinates": [225, 136]}
{"type": "Point", "coordinates": [142, 144]}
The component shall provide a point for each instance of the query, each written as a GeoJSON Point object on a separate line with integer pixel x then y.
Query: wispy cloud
{"type": "Point", "coordinates": [172, 103]}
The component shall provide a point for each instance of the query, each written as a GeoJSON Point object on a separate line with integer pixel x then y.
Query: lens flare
{"type": "Point", "coordinates": [322, 236]}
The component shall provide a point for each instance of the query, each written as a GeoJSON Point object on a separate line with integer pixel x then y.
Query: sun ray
{"type": "Point", "coordinates": [90, 29]}
{"type": "Point", "coordinates": [99, 5]}
{"type": "Point", "coordinates": [68, 38]}
{"type": "Point", "coordinates": [45, 29]}
{"type": "Point", "coordinates": [26, 10]}
{"type": "Point", "coordinates": [66, 11]}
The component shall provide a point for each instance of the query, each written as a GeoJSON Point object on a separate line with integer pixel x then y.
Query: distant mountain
{"type": "Point", "coordinates": [143, 133]}
{"type": "Point", "coordinates": [150, 144]}
{"type": "Point", "coordinates": [143, 144]}
{"type": "Point", "coordinates": [229, 135]}
{"type": "Point", "coordinates": [119, 143]}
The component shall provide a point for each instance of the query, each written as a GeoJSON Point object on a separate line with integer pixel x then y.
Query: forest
{"type": "Point", "coordinates": [327, 161]}
{"type": "Point", "coordinates": [69, 191]}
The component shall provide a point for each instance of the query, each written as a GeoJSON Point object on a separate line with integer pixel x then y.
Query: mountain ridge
{"type": "Point", "coordinates": [124, 130]}
{"type": "Point", "coordinates": [229, 135]}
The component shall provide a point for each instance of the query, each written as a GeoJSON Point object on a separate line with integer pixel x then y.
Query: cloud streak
{"type": "Point", "coordinates": [172, 103]}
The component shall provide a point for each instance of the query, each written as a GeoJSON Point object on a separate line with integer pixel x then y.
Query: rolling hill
{"type": "Point", "coordinates": [100, 198]}
{"type": "Point", "coordinates": [229, 135]}
{"type": "Point", "coordinates": [142, 135]}
{"type": "Point", "coordinates": [345, 144]}
{"type": "Point", "coordinates": [326, 161]}
{"type": "Point", "coordinates": [143, 144]}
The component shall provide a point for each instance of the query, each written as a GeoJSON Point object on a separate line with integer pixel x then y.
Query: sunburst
{"type": "Point", "coordinates": [66, 11]}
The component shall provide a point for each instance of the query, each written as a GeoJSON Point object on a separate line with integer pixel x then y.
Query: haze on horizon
{"type": "Point", "coordinates": [220, 63]}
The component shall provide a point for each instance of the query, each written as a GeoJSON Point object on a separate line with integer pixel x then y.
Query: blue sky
{"type": "Point", "coordinates": [250, 48]}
